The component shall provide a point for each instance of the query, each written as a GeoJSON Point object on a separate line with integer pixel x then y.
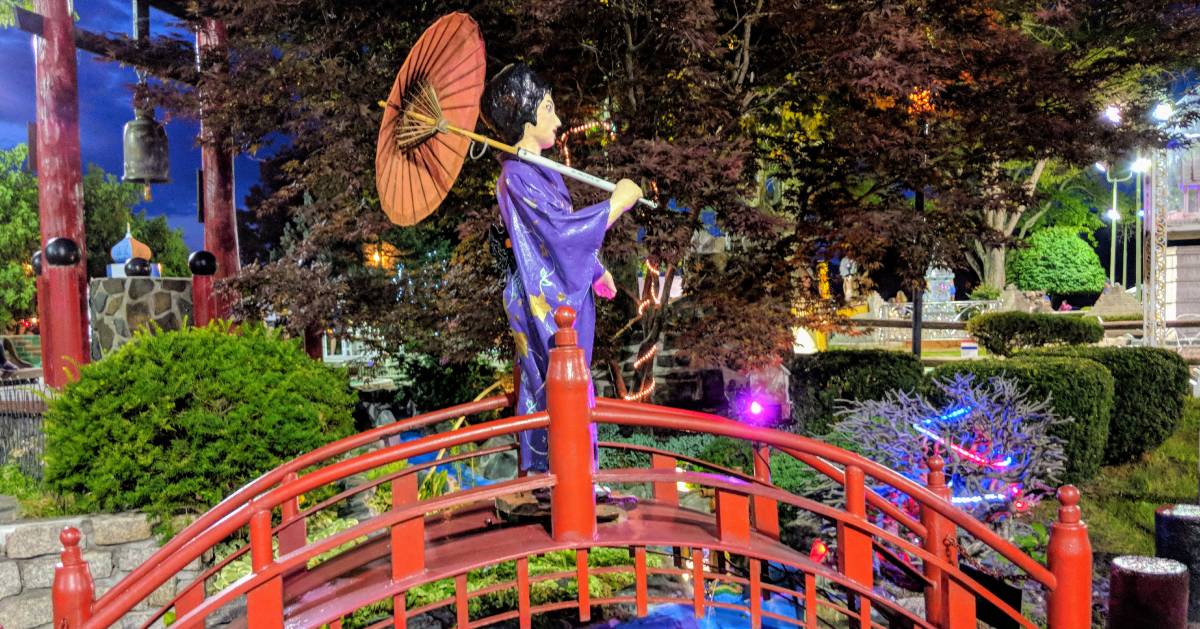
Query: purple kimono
{"type": "Point", "coordinates": [556, 249]}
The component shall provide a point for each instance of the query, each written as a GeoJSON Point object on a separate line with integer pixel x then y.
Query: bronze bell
{"type": "Point", "coordinates": [145, 149]}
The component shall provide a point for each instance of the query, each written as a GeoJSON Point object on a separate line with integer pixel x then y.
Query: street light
{"type": "Point", "coordinates": [1112, 113]}
{"type": "Point", "coordinates": [1114, 215]}
{"type": "Point", "coordinates": [1163, 111]}
{"type": "Point", "coordinates": [1140, 166]}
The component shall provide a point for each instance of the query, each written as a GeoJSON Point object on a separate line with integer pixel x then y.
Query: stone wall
{"type": "Point", "coordinates": [120, 306]}
{"type": "Point", "coordinates": [113, 545]}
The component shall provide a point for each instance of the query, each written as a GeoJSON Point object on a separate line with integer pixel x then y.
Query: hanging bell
{"type": "Point", "coordinates": [145, 149]}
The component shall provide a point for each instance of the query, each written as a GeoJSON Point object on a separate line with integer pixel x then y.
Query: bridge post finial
{"type": "Point", "coordinates": [73, 590]}
{"type": "Point", "coordinates": [571, 447]}
{"type": "Point", "coordinates": [1069, 556]}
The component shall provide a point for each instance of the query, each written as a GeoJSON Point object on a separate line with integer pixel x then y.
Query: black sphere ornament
{"type": "Point", "coordinates": [62, 252]}
{"type": "Point", "coordinates": [202, 263]}
{"type": "Point", "coordinates": [37, 262]}
{"type": "Point", "coordinates": [137, 267]}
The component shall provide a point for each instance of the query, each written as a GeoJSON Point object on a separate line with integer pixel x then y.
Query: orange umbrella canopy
{"type": "Point", "coordinates": [442, 78]}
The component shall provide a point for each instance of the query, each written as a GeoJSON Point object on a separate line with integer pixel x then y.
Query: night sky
{"type": "Point", "coordinates": [105, 107]}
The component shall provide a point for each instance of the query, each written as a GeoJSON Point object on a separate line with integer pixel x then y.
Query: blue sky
{"type": "Point", "coordinates": [104, 108]}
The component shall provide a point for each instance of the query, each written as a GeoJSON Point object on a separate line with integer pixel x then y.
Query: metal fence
{"type": "Point", "coordinates": [22, 441]}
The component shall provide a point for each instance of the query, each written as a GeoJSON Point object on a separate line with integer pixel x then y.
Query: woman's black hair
{"type": "Point", "coordinates": [511, 99]}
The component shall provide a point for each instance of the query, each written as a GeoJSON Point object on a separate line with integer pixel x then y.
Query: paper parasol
{"type": "Point", "coordinates": [440, 81]}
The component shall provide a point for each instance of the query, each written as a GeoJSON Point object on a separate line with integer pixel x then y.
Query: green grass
{"type": "Point", "coordinates": [1118, 505]}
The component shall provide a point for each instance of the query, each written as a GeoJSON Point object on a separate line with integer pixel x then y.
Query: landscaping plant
{"type": "Point", "coordinates": [173, 422]}
{"type": "Point", "coordinates": [1003, 333]}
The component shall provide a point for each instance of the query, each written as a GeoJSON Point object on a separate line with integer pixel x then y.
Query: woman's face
{"type": "Point", "coordinates": [546, 129]}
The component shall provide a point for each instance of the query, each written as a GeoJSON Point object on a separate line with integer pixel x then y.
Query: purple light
{"type": "Point", "coordinates": [756, 408]}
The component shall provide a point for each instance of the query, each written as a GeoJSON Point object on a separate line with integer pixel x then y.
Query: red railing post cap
{"type": "Point", "coordinates": [70, 538]}
{"type": "Point", "coordinates": [936, 464]}
{"type": "Point", "coordinates": [564, 317]}
{"type": "Point", "coordinates": [1068, 510]}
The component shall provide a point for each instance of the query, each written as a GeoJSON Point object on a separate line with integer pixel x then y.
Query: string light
{"type": "Point", "coordinates": [637, 364]}
{"type": "Point", "coordinates": [580, 129]}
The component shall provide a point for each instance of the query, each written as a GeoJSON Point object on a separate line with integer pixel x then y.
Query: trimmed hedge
{"type": "Point", "coordinates": [1003, 333]}
{"type": "Point", "coordinates": [1078, 388]}
{"type": "Point", "coordinates": [174, 422]}
{"type": "Point", "coordinates": [819, 380]}
{"type": "Point", "coordinates": [1152, 384]}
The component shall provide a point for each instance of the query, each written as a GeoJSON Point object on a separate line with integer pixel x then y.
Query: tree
{"type": "Point", "coordinates": [107, 206]}
{"type": "Point", "coordinates": [1058, 262]}
{"type": "Point", "coordinates": [18, 238]}
{"type": "Point", "coordinates": [887, 122]}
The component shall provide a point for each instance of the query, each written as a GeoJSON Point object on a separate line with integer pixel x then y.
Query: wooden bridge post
{"type": "Point", "coordinates": [73, 589]}
{"type": "Point", "coordinates": [293, 532]}
{"type": "Point", "coordinates": [937, 532]}
{"type": "Point", "coordinates": [573, 499]}
{"type": "Point", "coordinates": [855, 551]}
{"type": "Point", "coordinates": [766, 511]}
{"type": "Point", "coordinates": [264, 604]}
{"type": "Point", "coordinates": [1070, 557]}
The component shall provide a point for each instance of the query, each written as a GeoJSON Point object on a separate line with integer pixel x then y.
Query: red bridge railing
{"type": "Point", "coordinates": [392, 548]}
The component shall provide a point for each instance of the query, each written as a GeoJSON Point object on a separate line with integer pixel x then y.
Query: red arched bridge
{"type": "Point", "coordinates": [418, 541]}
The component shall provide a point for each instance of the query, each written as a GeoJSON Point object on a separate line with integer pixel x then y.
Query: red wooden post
{"type": "Point", "coordinates": [60, 186]}
{"type": "Point", "coordinates": [72, 592]}
{"type": "Point", "coordinates": [202, 287]}
{"type": "Point", "coordinates": [582, 582]}
{"type": "Point", "coordinates": [698, 582]}
{"type": "Point", "coordinates": [1069, 556]}
{"type": "Point", "coordinates": [264, 604]}
{"type": "Point", "coordinates": [855, 552]}
{"type": "Point", "coordinates": [293, 534]}
{"type": "Point", "coordinates": [938, 532]}
{"type": "Point", "coordinates": [407, 544]}
{"type": "Point", "coordinates": [523, 607]}
{"type": "Point", "coordinates": [216, 162]}
{"type": "Point", "coordinates": [665, 492]}
{"type": "Point", "coordinates": [766, 511]}
{"type": "Point", "coordinates": [755, 593]}
{"type": "Point", "coordinates": [572, 500]}
{"type": "Point", "coordinates": [641, 595]}
{"type": "Point", "coordinates": [733, 517]}
{"type": "Point", "coordinates": [462, 607]}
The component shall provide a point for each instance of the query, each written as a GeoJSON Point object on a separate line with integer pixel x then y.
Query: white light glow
{"type": "Point", "coordinates": [1140, 165]}
{"type": "Point", "coordinates": [1113, 215]}
{"type": "Point", "coordinates": [1112, 113]}
{"type": "Point", "coordinates": [1163, 111]}
{"type": "Point", "coordinates": [1101, 167]}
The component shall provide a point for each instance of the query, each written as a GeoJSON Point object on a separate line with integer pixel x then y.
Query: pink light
{"type": "Point", "coordinates": [963, 452]}
{"type": "Point", "coordinates": [756, 408]}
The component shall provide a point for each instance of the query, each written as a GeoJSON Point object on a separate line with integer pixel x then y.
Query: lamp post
{"type": "Point", "coordinates": [1139, 168]}
{"type": "Point", "coordinates": [1114, 215]}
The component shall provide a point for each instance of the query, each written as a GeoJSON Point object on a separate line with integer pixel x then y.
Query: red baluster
{"type": "Point", "coordinates": [73, 590]}
{"type": "Point", "coordinates": [641, 593]}
{"type": "Point", "coordinates": [407, 543]}
{"type": "Point", "coordinates": [733, 517]}
{"type": "Point", "coordinates": [937, 534]}
{"type": "Point", "coordinates": [698, 582]}
{"type": "Point", "coordinates": [855, 552]}
{"type": "Point", "coordinates": [665, 492]}
{"type": "Point", "coordinates": [523, 606]}
{"type": "Point", "coordinates": [766, 511]}
{"type": "Point", "coordinates": [1070, 558]}
{"type": "Point", "coordinates": [293, 535]}
{"type": "Point", "coordinates": [573, 501]}
{"type": "Point", "coordinates": [264, 604]}
{"type": "Point", "coordinates": [581, 581]}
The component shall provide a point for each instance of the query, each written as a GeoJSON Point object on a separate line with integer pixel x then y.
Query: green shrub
{"type": "Point", "coordinates": [819, 380]}
{"type": "Point", "coordinates": [1079, 389]}
{"type": "Point", "coordinates": [1058, 262]}
{"type": "Point", "coordinates": [174, 422]}
{"type": "Point", "coordinates": [1151, 386]}
{"type": "Point", "coordinates": [983, 292]}
{"type": "Point", "coordinates": [1003, 333]}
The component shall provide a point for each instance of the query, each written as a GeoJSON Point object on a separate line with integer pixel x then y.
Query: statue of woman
{"type": "Point", "coordinates": [555, 247]}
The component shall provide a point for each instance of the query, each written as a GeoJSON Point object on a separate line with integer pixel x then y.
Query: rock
{"type": "Point", "coordinates": [27, 610]}
{"type": "Point", "coordinates": [10, 579]}
{"type": "Point", "coordinates": [10, 509]}
{"type": "Point", "coordinates": [103, 334]}
{"type": "Point", "coordinates": [162, 595]}
{"type": "Point", "coordinates": [114, 286]}
{"type": "Point", "coordinates": [137, 314]}
{"type": "Point", "coordinates": [120, 529]}
{"type": "Point", "coordinates": [140, 287]}
{"type": "Point", "coordinates": [39, 573]}
{"type": "Point", "coordinates": [162, 302]}
{"type": "Point", "coordinates": [177, 286]}
{"type": "Point", "coordinates": [1114, 301]}
{"type": "Point", "coordinates": [99, 300]}
{"type": "Point", "coordinates": [33, 540]}
{"type": "Point", "coordinates": [168, 321]}
{"type": "Point", "coordinates": [114, 305]}
{"type": "Point", "coordinates": [134, 555]}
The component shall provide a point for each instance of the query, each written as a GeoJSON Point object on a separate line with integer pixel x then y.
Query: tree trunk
{"type": "Point", "coordinates": [993, 267]}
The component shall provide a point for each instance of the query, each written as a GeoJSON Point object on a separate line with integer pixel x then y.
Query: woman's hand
{"type": "Point", "coordinates": [623, 197]}
{"type": "Point", "coordinates": [604, 287]}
